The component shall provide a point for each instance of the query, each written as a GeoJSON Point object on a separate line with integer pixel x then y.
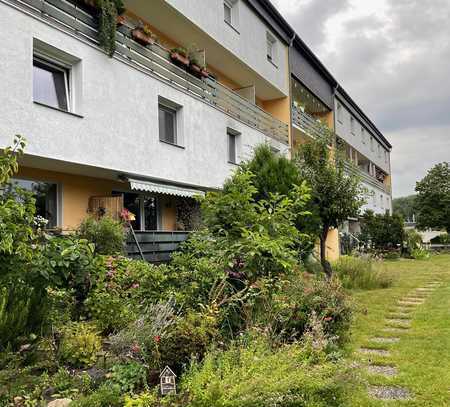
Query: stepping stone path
{"type": "Point", "coordinates": [389, 393]}
{"type": "Point", "coordinates": [398, 321]}
{"type": "Point", "coordinates": [389, 371]}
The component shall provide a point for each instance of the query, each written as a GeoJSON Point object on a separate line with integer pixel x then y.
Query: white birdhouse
{"type": "Point", "coordinates": [168, 383]}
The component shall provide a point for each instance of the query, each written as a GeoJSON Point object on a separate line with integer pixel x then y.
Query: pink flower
{"type": "Point", "coordinates": [135, 285]}
{"type": "Point", "coordinates": [157, 338]}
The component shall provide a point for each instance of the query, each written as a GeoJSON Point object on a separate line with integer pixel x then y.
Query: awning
{"type": "Point", "coordinates": [147, 186]}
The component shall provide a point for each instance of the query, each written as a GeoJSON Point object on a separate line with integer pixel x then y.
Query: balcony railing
{"type": "Point", "coordinates": [154, 60]}
{"type": "Point", "coordinates": [307, 123]}
{"type": "Point", "coordinates": [367, 178]}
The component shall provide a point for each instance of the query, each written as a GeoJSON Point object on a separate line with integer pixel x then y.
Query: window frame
{"type": "Point", "coordinates": [232, 135]}
{"type": "Point", "coordinates": [232, 5]}
{"type": "Point", "coordinates": [352, 125]}
{"type": "Point", "coordinates": [339, 112]}
{"type": "Point", "coordinates": [271, 44]}
{"type": "Point", "coordinates": [66, 69]}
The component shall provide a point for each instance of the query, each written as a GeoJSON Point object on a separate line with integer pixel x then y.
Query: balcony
{"type": "Point", "coordinates": [154, 60]}
{"type": "Point", "coordinates": [366, 178]}
{"type": "Point", "coordinates": [307, 123]}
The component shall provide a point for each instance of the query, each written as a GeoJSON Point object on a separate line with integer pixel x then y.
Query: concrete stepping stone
{"type": "Point", "coordinates": [374, 352]}
{"type": "Point", "coordinates": [390, 371]}
{"type": "Point", "coordinates": [408, 303]}
{"type": "Point", "coordinates": [382, 339]}
{"type": "Point", "coordinates": [396, 330]}
{"type": "Point", "coordinates": [399, 323]}
{"type": "Point", "coordinates": [399, 315]}
{"type": "Point", "coordinates": [389, 393]}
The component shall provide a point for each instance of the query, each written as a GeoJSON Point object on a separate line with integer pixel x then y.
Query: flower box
{"type": "Point", "coordinates": [179, 59]}
{"type": "Point", "coordinates": [141, 37]}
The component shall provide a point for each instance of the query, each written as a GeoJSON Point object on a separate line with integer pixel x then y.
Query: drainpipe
{"type": "Point", "coordinates": [291, 129]}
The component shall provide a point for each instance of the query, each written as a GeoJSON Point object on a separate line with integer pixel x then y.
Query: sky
{"type": "Point", "coordinates": [393, 58]}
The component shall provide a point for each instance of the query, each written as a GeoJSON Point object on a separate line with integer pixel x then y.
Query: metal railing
{"type": "Point", "coordinates": [365, 177]}
{"type": "Point", "coordinates": [155, 61]}
{"type": "Point", "coordinates": [154, 246]}
{"type": "Point", "coordinates": [307, 123]}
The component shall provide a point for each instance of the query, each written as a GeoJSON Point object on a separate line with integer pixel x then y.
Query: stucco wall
{"type": "Point", "coordinates": [343, 130]}
{"type": "Point", "coordinates": [119, 127]}
{"type": "Point", "coordinates": [375, 202]}
{"type": "Point", "coordinates": [248, 41]}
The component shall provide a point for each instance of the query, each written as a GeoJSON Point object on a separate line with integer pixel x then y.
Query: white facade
{"type": "Point", "coordinates": [116, 121]}
{"type": "Point", "coordinates": [245, 37]}
{"type": "Point", "coordinates": [359, 137]}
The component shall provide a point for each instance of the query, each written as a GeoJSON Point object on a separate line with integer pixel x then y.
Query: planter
{"type": "Point", "coordinates": [121, 20]}
{"type": "Point", "coordinates": [91, 4]}
{"type": "Point", "coordinates": [179, 59]}
{"type": "Point", "coordinates": [141, 37]}
{"type": "Point", "coordinates": [204, 73]}
{"type": "Point", "coordinates": [195, 70]}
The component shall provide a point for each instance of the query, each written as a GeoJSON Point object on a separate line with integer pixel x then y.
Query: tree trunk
{"type": "Point", "coordinates": [326, 266]}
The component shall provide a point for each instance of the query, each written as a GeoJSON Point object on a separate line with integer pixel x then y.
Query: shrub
{"type": "Point", "coordinates": [79, 344]}
{"type": "Point", "coordinates": [140, 339]}
{"type": "Point", "coordinates": [190, 337]}
{"type": "Point", "coordinates": [129, 377]}
{"type": "Point", "coordinates": [359, 272]}
{"type": "Point", "coordinates": [107, 234]}
{"type": "Point", "coordinates": [257, 375]}
{"type": "Point", "coordinates": [105, 396]}
{"type": "Point", "coordinates": [143, 400]}
{"type": "Point", "coordinates": [382, 232]}
{"type": "Point", "coordinates": [420, 254]}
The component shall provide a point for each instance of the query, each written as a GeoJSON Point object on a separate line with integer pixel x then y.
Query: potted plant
{"type": "Point", "coordinates": [195, 67]}
{"type": "Point", "coordinates": [144, 35]}
{"type": "Point", "coordinates": [121, 20]}
{"type": "Point", "coordinates": [179, 56]}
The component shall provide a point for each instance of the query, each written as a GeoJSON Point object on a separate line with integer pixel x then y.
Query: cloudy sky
{"type": "Point", "coordinates": [393, 58]}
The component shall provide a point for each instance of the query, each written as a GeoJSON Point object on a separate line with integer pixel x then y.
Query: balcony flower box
{"type": "Point", "coordinates": [179, 57]}
{"type": "Point", "coordinates": [121, 20]}
{"type": "Point", "coordinates": [143, 36]}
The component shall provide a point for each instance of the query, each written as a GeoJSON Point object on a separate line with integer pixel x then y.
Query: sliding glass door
{"type": "Point", "coordinates": [145, 208]}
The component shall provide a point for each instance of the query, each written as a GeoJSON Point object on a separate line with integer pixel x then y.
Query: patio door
{"type": "Point", "coordinates": [145, 208]}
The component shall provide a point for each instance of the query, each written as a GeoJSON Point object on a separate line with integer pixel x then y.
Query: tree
{"type": "Point", "coordinates": [336, 192]}
{"type": "Point", "coordinates": [433, 198]}
{"type": "Point", "coordinates": [382, 231]}
{"type": "Point", "coordinates": [404, 207]}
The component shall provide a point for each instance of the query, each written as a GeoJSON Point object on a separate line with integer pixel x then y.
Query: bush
{"type": "Point", "coordinates": [257, 375]}
{"type": "Point", "coordinates": [382, 232]}
{"type": "Point", "coordinates": [105, 396]}
{"type": "Point", "coordinates": [79, 344]}
{"type": "Point", "coordinates": [143, 400]}
{"type": "Point", "coordinates": [107, 234]}
{"type": "Point", "coordinates": [129, 377]}
{"type": "Point", "coordinates": [420, 254]}
{"type": "Point", "coordinates": [301, 297]}
{"type": "Point", "coordinates": [360, 273]}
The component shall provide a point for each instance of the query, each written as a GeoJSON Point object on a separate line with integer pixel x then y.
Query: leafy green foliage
{"type": "Point", "coordinates": [433, 199]}
{"type": "Point", "coordinates": [420, 254]}
{"type": "Point", "coordinates": [256, 375]}
{"type": "Point", "coordinates": [142, 400]}
{"type": "Point", "coordinates": [360, 273]}
{"type": "Point", "coordinates": [107, 234]}
{"type": "Point", "coordinates": [105, 396]}
{"type": "Point", "coordinates": [413, 240]}
{"type": "Point", "coordinates": [404, 206]}
{"type": "Point", "coordinates": [336, 194]}
{"type": "Point", "coordinates": [383, 232]}
{"type": "Point", "coordinates": [130, 377]}
{"type": "Point", "coordinates": [107, 25]}
{"type": "Point", "coordinates": [79, 344]}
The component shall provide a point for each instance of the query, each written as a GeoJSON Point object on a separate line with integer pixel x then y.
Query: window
{"type": "Point", "coordinates": [363, 135]}
{"type": "Point", "coordinates": [167, 124]}
{"type": "Point", "coordinates": [339, 113]}
{"type": "Point", "coordinates": [381, 201]}
{"type": "Point", "coordinates": [371, 144]}
{"type": "Point", "coordinates": [352, 125]}
{"type": "Point", "coordinates": [271, 47]}
{"type": "Point", "coordinates": [46, 195]}
{"type": "Point", "coordinates": [386, 157]}
{"type": "Point", "coordinates": [232, 146]}
{"type": "Point", "coordinates": [379, 150]}
{"type": "Point", "coordinates": [231, 13]}
{"type": "Point", "coordinates": [51, 84]}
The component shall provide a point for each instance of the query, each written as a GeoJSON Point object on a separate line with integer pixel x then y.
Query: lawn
{"type": "Point", "coordinates": [422, 355]}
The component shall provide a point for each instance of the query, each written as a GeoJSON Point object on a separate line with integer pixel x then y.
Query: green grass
{"type": "Point", "coordinates": [423, 354]}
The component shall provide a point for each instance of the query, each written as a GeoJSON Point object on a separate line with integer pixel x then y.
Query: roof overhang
{"type": "Point", "coordinates": [167, 189]}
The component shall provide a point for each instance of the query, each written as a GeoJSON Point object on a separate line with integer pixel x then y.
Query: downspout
{"type": "Point", "coordinates": [291, 128]}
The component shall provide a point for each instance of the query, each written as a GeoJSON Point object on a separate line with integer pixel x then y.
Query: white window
{"type": "Point", "coordinates": [371, 144]}
{"type": "Point", "coordinates": [271, 48]}
{"type": "Point", "coordinates": [352, 125]}
{"type": "Point", "coordinates": [231, 12]}
{"type": "Point", "coordinates": [363, 135]}
{"type": "Point", "coordinates": [339, 112]}
{"type": "Point", "coordinates": [386, 156]}
{"type": "Point", "coordinates": [379, 150]}
{"type": "Point", "coordinates": [232, 146]}
{"type": "Point", "coordinates": [51, 85]}
{"type": "Point", "coordinates": [170, 122]}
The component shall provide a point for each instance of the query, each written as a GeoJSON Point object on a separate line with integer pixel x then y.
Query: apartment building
{"type": "Point", "coordinates": [144, 131]}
